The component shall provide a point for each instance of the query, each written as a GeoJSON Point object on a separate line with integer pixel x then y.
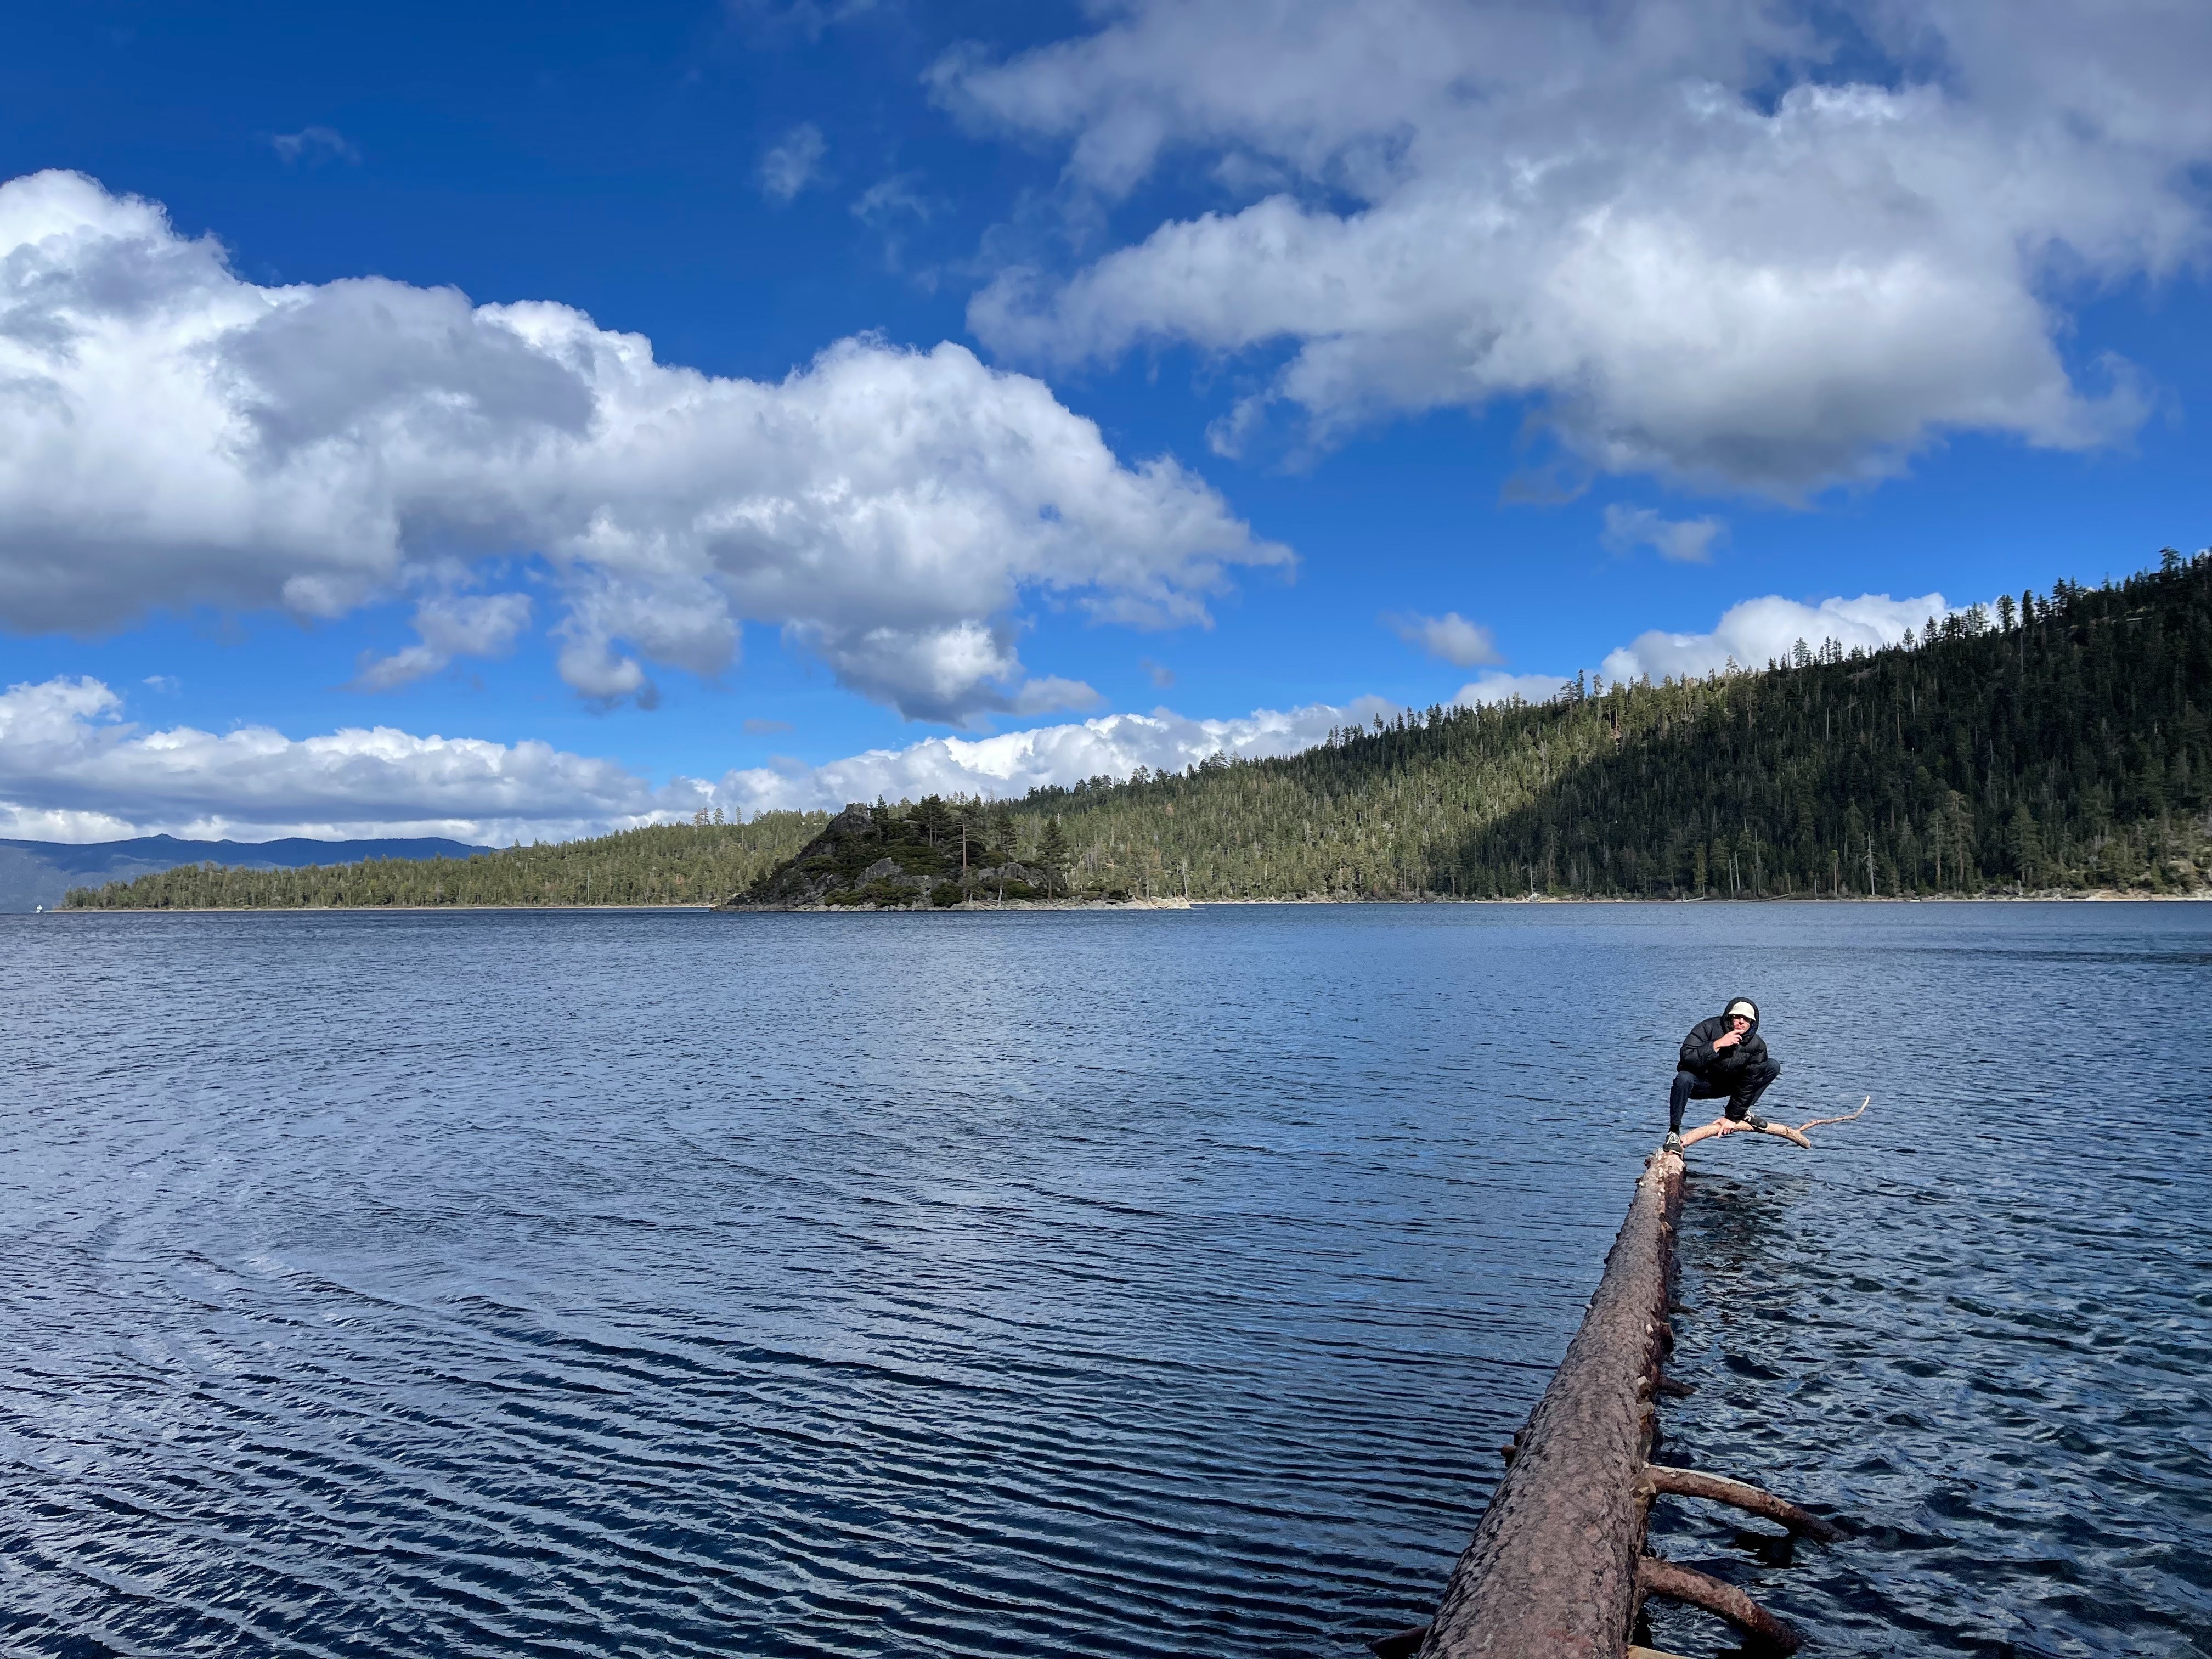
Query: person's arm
{"type": "Point", "coordinates": [1697, 1052]}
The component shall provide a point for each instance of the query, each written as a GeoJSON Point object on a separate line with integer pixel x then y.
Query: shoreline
{"type": "Point", "coordinates": [2055, 896]}
{"type": "Point", "coordinates": [969, 906]}
{"type": "Point", "coordinates": [2095, 895]}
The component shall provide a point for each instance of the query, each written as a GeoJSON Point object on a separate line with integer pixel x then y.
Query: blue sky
{"type": "Point", "coordinates": [1561, 325]}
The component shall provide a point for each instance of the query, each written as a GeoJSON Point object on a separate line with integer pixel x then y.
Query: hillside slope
{"type": "Point", "coordinates": [661, 864]}
{"type": "Point", "coordinates": [34, 873]}
{"type": "Point", "coordinates": [2060, 744]}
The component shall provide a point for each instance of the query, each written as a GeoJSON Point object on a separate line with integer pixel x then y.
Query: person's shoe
{"type": "Point", "coordinates": [1672, 1144]}
{"type": "Point", "coordinates": [1758, 1123]}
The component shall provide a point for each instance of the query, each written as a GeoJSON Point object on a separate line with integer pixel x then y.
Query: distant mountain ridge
{"type": "Point", "coordinates": [38, 872]}
{"type": "Point", "coordinates": [694, 863]}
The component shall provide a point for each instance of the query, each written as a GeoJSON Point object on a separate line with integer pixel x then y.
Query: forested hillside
{"type": "Point", "coordinates": [2059, 744]}
{"type": "Point", "coordinates": [664, 864]}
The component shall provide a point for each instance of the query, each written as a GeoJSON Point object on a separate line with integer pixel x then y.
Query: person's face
{"type": "Point", "coordinates": [1739, 1023]}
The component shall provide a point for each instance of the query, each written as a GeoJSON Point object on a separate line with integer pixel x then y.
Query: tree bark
{"type": "Point", "coordinates": [1551, 1571]}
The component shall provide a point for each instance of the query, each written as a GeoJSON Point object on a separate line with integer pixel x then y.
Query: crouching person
{"type": "Point", "coordinates": [1722, 1059]}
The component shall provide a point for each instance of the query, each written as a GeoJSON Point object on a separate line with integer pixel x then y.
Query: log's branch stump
{"type": "Point", "coordinates": [1657, 1578]}
{"type": "Point", "coordinates": [1694, 1483]}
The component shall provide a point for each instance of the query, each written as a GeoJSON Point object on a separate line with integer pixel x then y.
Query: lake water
{"type": "Point", "coordinates": [655, 1284]}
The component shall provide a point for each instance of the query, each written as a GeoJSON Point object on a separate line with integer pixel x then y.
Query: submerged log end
{"type": "Point", "coordinates": [1399, 1644]}
{"type": "Point", "coordinates": [1658, 1577]}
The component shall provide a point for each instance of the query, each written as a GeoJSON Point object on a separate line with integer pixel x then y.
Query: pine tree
{"type": "Point", "coordinates": [1052, 853]}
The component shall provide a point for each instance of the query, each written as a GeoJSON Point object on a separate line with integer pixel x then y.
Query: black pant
{"type": "Point", "coordinates": [1741, 1092]}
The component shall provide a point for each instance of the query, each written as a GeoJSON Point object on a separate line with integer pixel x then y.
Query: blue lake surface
{"type": "Point", "coordinates": [644, 1284]}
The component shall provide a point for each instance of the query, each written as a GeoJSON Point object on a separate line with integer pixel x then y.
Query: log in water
{"type": "Point", "coordinates": [1557, 1569]}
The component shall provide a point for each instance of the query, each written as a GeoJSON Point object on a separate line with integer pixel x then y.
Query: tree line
{"type": "Point", "coordinates": [2054, 742]}
{"type": "Point", "coordinates": [694, 863]}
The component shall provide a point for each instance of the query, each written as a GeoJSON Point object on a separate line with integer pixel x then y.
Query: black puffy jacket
{"type": "Point", "coordinates": [1722, 1065]}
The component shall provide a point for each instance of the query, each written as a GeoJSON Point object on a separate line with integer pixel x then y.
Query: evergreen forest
{"type": "Point", "coordinates": [2055, 742]}
{"type": "Point", "coordinates": [694, 863]}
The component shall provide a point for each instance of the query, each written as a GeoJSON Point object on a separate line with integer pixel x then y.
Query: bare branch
{"type": "Point", "coordinates": [1797, 1137]}
{"type": "Point", "coordinates": [1695, 1483]}
{"type": "Point", "coordinates": [1848, 1117]}
{"type": "Point", "coordinates": [1656, 1576]}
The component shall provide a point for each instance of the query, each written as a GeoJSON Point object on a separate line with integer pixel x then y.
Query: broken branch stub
{"type": "Point", "coordinates": [1655, 1577]}
{"type": "Point", "coordinates": [1742, 1495]}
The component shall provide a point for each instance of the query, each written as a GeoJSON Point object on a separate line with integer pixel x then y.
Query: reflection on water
{"type": "Point", "coordinates": [1092, 1284]}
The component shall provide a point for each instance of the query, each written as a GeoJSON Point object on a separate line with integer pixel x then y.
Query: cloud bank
{"type": "Point", "coordinates": [1757, 246]}
{"type": "Point", "coordinates": [1758, 630]}
{"type": "Point", "coordinates": [172, 435]}
{"type": "Point", "coordinates": [1013, 762]}
{"type": "Point", "coordinates": [73, 768]}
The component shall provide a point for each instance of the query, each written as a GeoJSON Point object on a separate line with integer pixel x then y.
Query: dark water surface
{"type": "Point", "coordinates": [513, 1284]}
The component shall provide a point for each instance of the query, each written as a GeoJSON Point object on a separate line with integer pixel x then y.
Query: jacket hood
{"type": "Point", "coordinates": [1731, 1002]}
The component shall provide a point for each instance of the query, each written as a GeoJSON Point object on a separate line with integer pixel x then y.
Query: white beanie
{"type": "Point", "coordinates": [1747, 1009]}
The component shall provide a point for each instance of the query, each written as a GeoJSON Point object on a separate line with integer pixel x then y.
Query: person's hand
{"type": "Point", "coordinates": [1727, 1040]}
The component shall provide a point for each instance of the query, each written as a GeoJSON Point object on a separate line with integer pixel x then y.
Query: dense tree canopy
{"type": "Point", "coordinates": [2059, 744]}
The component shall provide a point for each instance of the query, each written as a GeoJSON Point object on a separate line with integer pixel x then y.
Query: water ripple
{"type": "Point", "coordinates": [625, 1283]}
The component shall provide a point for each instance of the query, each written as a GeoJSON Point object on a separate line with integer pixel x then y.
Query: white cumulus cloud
{"type": "Point", "coordinates": [1013, 762]}
{"type": "Point", "coordinates": [1758, 630]}
{"type": "Point", "coordinates": [1761, 245]}
{"type": "Point", "coordinates": [450, 626]}
{"type": "Point", "coordinates": [172, 435]}
{"type": "Point", "coordinates": [1494, 687]}
{"type": "Point", "coordinates": [71, 768]}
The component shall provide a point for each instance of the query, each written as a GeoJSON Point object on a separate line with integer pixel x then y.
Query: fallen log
{"type": "Point", "coordinates": [1550, 1573]}
{"type": "Point", "coordinates": [1557, 1568]}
